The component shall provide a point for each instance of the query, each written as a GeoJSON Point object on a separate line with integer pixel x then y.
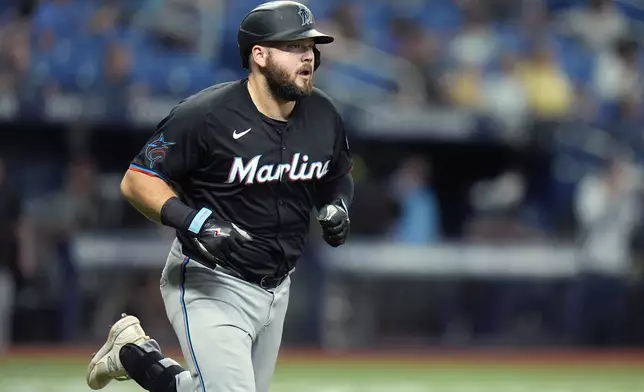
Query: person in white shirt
{"type": "Point", "coordinates": [607, 208]}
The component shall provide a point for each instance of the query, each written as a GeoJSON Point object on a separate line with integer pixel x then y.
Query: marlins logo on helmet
{"type": "Point", "coordinates": [305, 14]}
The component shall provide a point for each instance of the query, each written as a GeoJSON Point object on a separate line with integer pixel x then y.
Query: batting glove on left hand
{"type": "Point", "coordinates": [335, 222]}
{"type": "Point", "coordinates": [218, 239]}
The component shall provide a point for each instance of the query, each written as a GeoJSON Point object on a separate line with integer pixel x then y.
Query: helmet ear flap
{"type": "Point", "coordinates": [316, 62]}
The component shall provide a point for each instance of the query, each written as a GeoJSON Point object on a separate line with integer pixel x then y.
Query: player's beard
{"type": "Point", "coordinates": [282, 85]}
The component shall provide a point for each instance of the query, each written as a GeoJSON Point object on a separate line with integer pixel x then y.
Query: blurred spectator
{"type": "Point", "coordinates": [177, 24]}
{"type": "Point", "coordinates": [504, 99]}
{"type": "Point", "coordinates": [627, 127]}
{"type": "Point", "coordinates": [423, 50]}
{"type": "Point", "coordinates": [617, 74]}
{"type": "Point", "coordinates": [369, 197]}
{"type": "Point", "coordinates": [464, 87]}
{"type": "Point", "coordinates": [172, 23]}
{"type": "Point", "coordinates": [533, 23]}
{"type": "Point", "coordinates": [212, 18]}
{"type": "Point", "coordinates": [419, 218]}
{"type": "Point", "coordinates": [361, 72]}
{"type": "Point", "coordinates": [55, 20]}
{"type": "Point", "coordinates": [117, 83]}
{"type": "Point", "coordinates": [599, 24]}
{"type": "Point", "coordinates": [105, 19]}
{"type": "Point", "coordinates": [59, 216]}
{"type": "Point", "coordinates": [118, 67]}
{"type": "Point", "coordinates": [343, 23]}
{"type": "Point", "coordinates": [608, 208]}
{"type": "Point", "coordinates": [549, 91]}
{"type": "Point", "coordinates": [346, 17]}
{"type": "Point", "coordinates": [118, 64]}
{"type": "Point", "coordinates": [500, 213]}
{"type": "Point", "coordinates": [373, 198]}
{"type": "Point", "coordinates": [20, 8]}
{"type": "Point", "coordinates": [476, 44]}
{"type": "Point", "coordinates": [14, 52]}
{"type": "Point", "coordinates": [505, 10]}
{"type": "Point", "coordinates": [16, 253]}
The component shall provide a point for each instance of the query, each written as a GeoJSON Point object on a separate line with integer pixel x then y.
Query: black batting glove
{"type": "Point", "coordinates": [335, 223]}
{"type": "Point", "coordinates": [215, 239]}
{"type": "Point", "coordinates": [218, 239]}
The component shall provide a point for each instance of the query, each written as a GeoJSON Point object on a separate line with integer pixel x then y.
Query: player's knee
{"type": "Point", "coordinates": [149, 369]}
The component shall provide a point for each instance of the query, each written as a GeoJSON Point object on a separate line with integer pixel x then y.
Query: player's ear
{"type": "Point", "coordinates": [259, 55]}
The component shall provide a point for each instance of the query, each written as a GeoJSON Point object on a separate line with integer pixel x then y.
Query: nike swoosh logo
{"type": "Point", "coordinates": [238, 135]}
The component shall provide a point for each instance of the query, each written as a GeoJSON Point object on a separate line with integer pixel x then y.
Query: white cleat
{"type": "Point", "coordinates": [105, 365]}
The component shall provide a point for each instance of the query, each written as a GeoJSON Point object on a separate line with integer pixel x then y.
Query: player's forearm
{"type": "Point", "coordinates": [338, 189]}
{"type": "Point", "coordinates": [146, 193]}
{"type": "Point", "coordinates": [153, 198]}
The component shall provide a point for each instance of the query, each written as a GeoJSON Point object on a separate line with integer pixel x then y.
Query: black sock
{"type": "Point", "coordinates": [148, 370]}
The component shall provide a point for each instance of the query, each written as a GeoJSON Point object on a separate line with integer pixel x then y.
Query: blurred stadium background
{"type": "Point", "coordinates": [496, 244]}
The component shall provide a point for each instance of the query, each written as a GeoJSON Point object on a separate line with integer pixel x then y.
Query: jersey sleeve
{"type": "Point", "coordinates": [176, 147]}
{"type": "Point", "coordinates": [341, 162]}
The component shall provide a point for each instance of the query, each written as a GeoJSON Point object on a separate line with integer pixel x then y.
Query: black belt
{"type": "Point", "coordinates": [263, 281]}
{"type": "Point", "coordinates": [268, 281]}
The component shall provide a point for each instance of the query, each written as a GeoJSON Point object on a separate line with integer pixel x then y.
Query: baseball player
{"type": "Point", "coordinates": [236, 169]}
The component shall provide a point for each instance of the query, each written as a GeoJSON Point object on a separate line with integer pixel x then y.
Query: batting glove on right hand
{"type": "Point", "coordinates": [335, 223]}
{"type": "Point", "coordinates": [218, 239]}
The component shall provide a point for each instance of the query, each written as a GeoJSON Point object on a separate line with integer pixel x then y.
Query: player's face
{"type": "Point", "coordinates": [289, 69]}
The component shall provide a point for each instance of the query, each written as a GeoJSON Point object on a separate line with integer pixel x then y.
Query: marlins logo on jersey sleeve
{"type": "Point", "coordinates": [156, 150]}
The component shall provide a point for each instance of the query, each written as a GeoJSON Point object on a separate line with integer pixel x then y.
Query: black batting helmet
{"type": "Point", "coordinates": [278, 21]}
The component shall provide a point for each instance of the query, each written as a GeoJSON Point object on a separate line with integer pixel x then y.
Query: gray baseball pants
{"type": "Point", "coordinates": [229, 330]}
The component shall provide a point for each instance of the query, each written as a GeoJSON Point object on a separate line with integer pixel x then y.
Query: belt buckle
{"type": "Point", "coordinates": [262, 282]}
{"type": "Point", "coordinates": [277, 280]}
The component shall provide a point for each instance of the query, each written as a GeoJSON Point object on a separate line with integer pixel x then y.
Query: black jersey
{"type": "Point", "coordinates": [218, 151]}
